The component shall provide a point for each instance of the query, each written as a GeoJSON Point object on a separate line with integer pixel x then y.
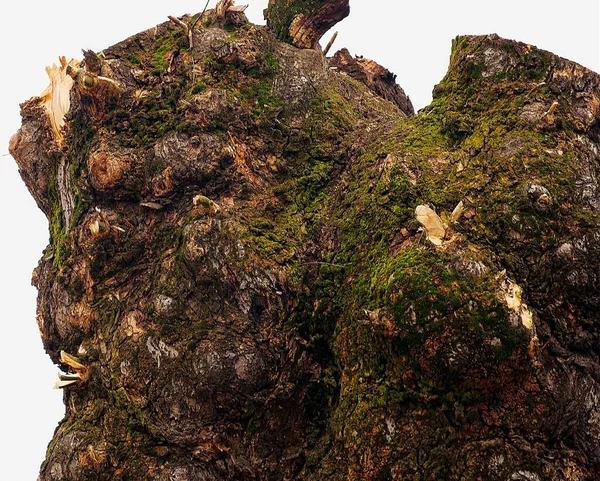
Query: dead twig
{"type": "Point", "coordinates": [181, 23]}
{"type": "Point", "coordinates": [330, 44]}
{"type": "Point", "coordinates": [200, 16]}
{"type": "Point", "coordinates": [172, 61]}
{"type": "Point", "coordinates": [551, 109]}
{"type": "Point", "coordinates": [544, 346]}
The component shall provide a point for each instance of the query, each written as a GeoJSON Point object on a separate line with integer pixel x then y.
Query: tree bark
{"type": "Point", "coordinates": [303, 22]}
{"type": "Point", "coordinates": [261, 272]}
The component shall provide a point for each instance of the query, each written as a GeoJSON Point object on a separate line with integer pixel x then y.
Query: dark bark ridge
{"type": "Point", "coordinates": [236, 267]}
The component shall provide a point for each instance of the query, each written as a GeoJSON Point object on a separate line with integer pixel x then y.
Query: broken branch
{"type": "Point", "coordinates": [222, 7]}
{"type": "Point", "coordinates": [303, 22]}
{"type": "Point", "coordinates": [176, 21]}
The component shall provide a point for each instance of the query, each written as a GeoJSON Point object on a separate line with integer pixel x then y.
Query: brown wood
{"type": "Point", "coordinates": [330, 44]}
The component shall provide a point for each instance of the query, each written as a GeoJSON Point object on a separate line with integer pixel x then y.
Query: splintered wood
{"type": "Point", "coordinates": [431, 222]}
{"type": "Point", "coordinates": [223, 6]}
{"type": "Point", "coordinates": [56, 97]}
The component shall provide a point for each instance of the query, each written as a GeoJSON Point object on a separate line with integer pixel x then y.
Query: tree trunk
{"type": "Point", "coordinates": [266, 268]}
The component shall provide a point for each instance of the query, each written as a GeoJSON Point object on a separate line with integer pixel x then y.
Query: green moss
{"type": "Point", "coordinates": [153, 116]}
{"type": "Point", "coordinates": [537, 63]}
{"type": "Point", "coordinates": [470, 145]}
{"type": "Point", "coordinates": [269, 243]}
{"type": "Point", "coordinates": [80, 137]}
{"type": "Point", "coordinates": [165, 46]}
{"type": "Point", "coordinates": [262, 97]}
{"type": "Point", "coordinates": [59, 238]}
{"type": "Point", "coordinates": [473, 71]}
{"type": "Point", "coordinates": [198, 87]}
{"type": "Point", "coordinates": [133, 59]}
{"type": "Point", "coordinates": [209, 61]}
{"type": "Point", "coordinates": [270, 63]}
{"type": "Point", "coordinates": [281, 14]}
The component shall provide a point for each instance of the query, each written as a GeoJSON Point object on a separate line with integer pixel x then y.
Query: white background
{"type": "Point", "coordinates": [412, 38]}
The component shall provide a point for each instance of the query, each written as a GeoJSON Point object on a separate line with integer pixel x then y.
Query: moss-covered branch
{"type": "Point", "coordinates": [303, 22]}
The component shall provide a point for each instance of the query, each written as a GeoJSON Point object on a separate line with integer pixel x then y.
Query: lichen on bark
{"type": "Point", "coordinates": [251, 295]}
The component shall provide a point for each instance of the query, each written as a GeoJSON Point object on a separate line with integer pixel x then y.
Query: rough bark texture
{"type": "Point", "coordinates": [303, 22]}
{"type": "Point", "coordinates": [244, 279]}
{"type": "Point", "coordinates": [379, 79]}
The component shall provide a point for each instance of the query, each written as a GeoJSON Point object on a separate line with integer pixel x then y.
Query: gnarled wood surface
{"type": "Point", "coordinates": [239, 265]}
